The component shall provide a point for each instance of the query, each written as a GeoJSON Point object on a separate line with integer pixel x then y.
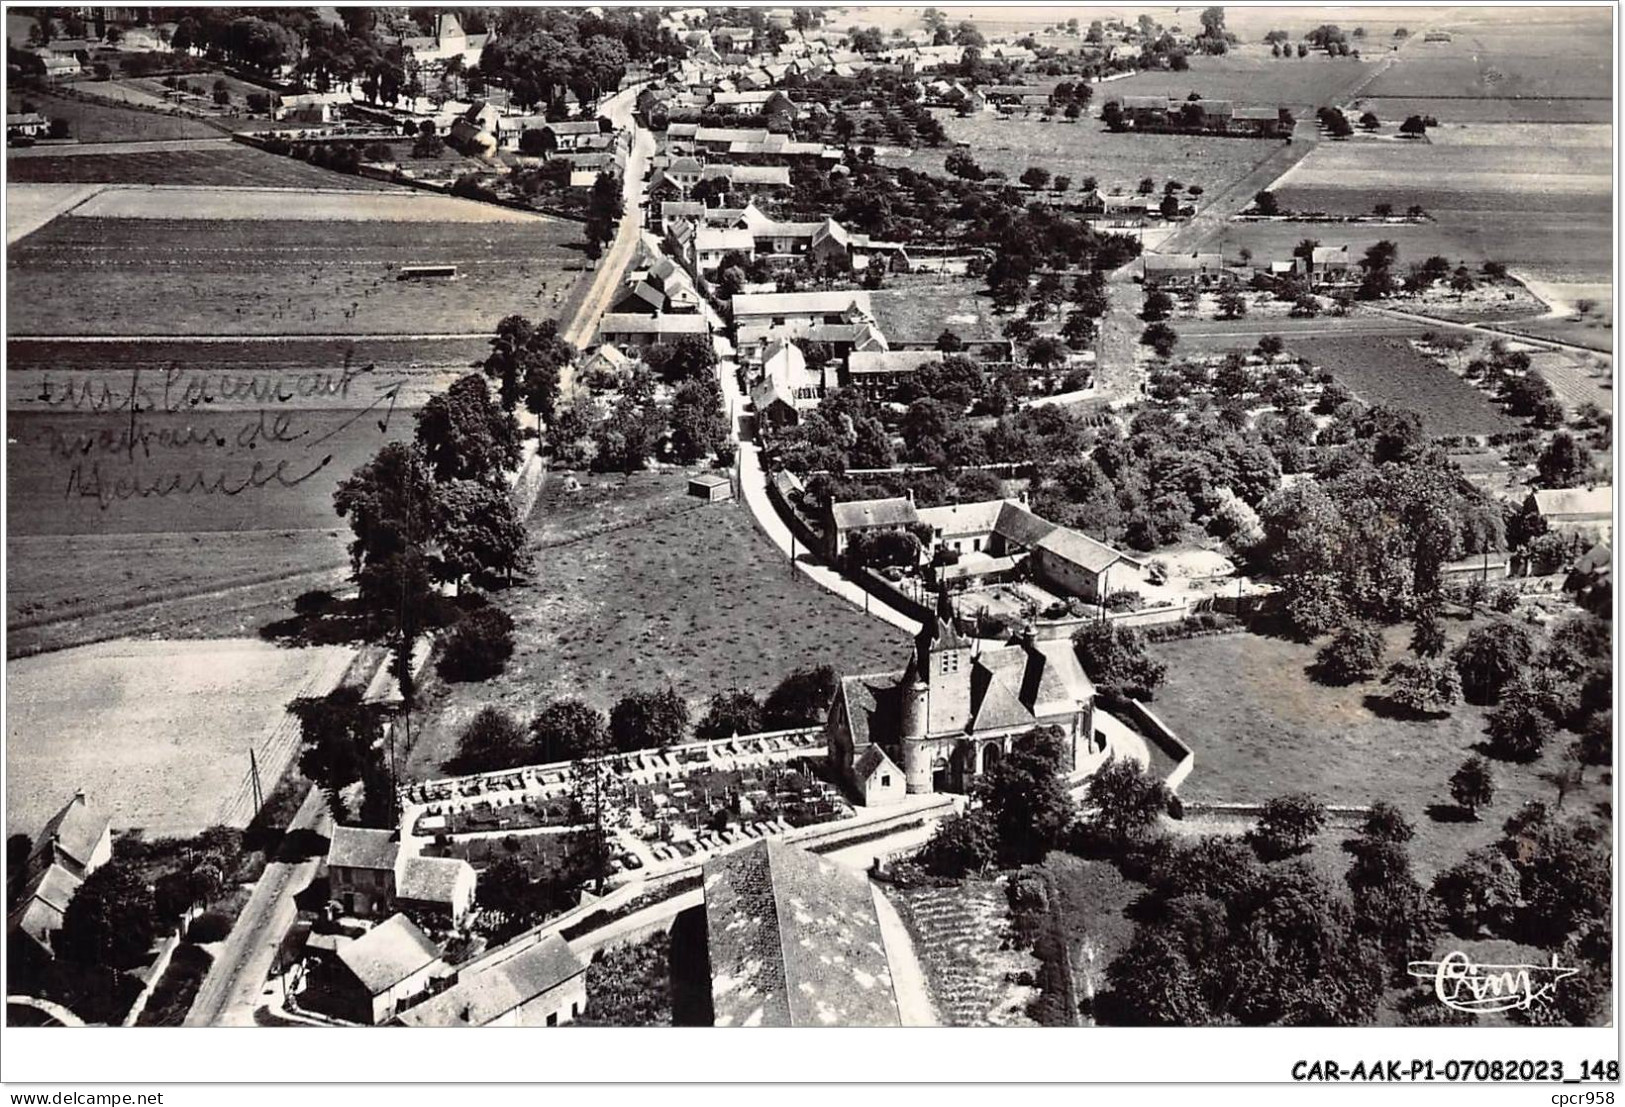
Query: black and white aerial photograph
{"type": "Point", "coordinates": [547, 516]}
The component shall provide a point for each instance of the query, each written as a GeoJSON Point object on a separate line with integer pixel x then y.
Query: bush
{"type": "Point", "coordinates": [1286, 826]}
{"type": "Point", "coordinates": [1353, 655]}
{"type": "Point", "coordinates": [211, 926]}
{"type": "Point", "coordinates": [1124, 600]}
{"type": "Point", "coordinates": [315, 602]}
{"type": "Point", "coordinates": [478, 647]}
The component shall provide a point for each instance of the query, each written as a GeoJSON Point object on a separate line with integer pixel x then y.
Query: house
{"type": "Point", "coordinates": [794, 939]}
{"type": "Point", "coordinates": [478, 130]}
{"type": "Point", "coordinates": [574, 134]}
{"type": "Point", "coordinates": [636, 331]}
{"type": "Point", "coordinates": [361, 869]}
{"type": "Point", "coordinates": [1185, 271]}
{"type": "Point", "coordinates": [876, 780]}
{"type": "Point", "coordinates": [78, 837]}
{"type": "Point", "coordinates": [383, 970]}
{"type": "Point", "coordinates": [799, 311]}
{"type": "Point", "coordinates": [756, 178]}
{"type": "Point", "coordinates": [1330, 265]}
{"type": "Point", "coordinates": [1588, 511]}
{"type": "Point", "coordinates": [671, 211]}
{"type": "Point", "coordinates": [957, 707]}
{"type": "Point", "coordinates": [710, 487]}
{"type": "Point", "coordinates": [734, 40]}
{"type": "Point", "coordinates": [605, 360]}
{"type": "Point", "coordinates": [963, 528]}
{"type": "Point", "coordinates": [1158, 114]}
{"type": "Point", "coordinates": [877, 373]}
{"type": "Point", "coordinates": [37, 915]}
{"type": "Point", "coordinates": [28, 124]}
{"type": "Point", "coordinates": [544, 984]}
{"type": "Point", "coordinates": [862, 516]}
{"type": "Point", "coordinates": [59, 65]}
{"type": "Point", "coordinates": [1014, 95]}
{"type": "Point", "coordinates": [718, 140]}
{"type": "Point", "coordinates": [787, 387]}
{"type": "Point", "coordinates": [436, 891]}
{"type": "Point", "coordinates": [1066, 561]}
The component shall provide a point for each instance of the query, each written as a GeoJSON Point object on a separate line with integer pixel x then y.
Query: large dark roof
{"type": "Point", "coordinates": [794, 941]}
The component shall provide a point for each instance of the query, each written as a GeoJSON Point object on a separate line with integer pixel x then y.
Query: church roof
{"type": "Point", "coordinates": [999, 708]}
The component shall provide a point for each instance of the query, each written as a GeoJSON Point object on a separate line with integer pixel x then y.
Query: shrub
{"type": "Point", "coordinates": [1125, 600]}
{"type": "Point", "coordinates": [1472, 786]}
{"type": "Point", "coordinates": [478, 646]}
{"type": "Point", "coordinates": [962, 845]}
{"type": "Point", "coordinates": [1287, 825]}
{"type": "Point", "coordinates": [1353, 655]}
{"type": "Point", "coordinates": [211, 926]}
{"type": "Point", "coordinates": [314, 602]}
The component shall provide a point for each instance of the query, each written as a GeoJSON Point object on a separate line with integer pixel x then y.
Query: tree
{"type": "Point", "coordinates": [1564, 463]}
{"type": "Point", "coordinates": [492, 740]}
{"type": "Point", "coordinates": [111, 920]}
{"type": "Point", "coordinates": [1473, 786]}
{"type": "Point", "coordinates": [801, 699]}
{"type": "Point", "coordinates": [1353, 655]}
{"type": "Point", "coordinates": [962, 165]}
{"type": "Point", "coordinates": [1519, 727]}
{"type": "Point", "coordinates": [962, 845]}
{"type": "Point", "coordinates": [1232, 305]}
{"type": "Point", "coordinates": [479, 533]}
{"type": "Point", "coordinates": [728, 714]}
{"type": "Point", "coordinates": [1478, 893]}
{"type": "Point", "coordinates": [567, 728]}
{"type": "Point", "coordinates": [1489, 657]}
{"type": "Point", "coordinates": [1421, 686]}
{"type": "Point", "coordinates": [1026, 798]}
{"type": "Point", "coordinates": [1158, 305]}
{"type": "Point", "coordinates": [1035, 177]}
{"type": "Point", "coordinates": [1370, 122]}
{"type": "Point", "coordinates": [1160, 337]}
{"type": "Point", "coordinates": [1124, 801]}
{"type": "Point", "coordinates": [1413, 127]}
{"type": "Point", "coordinates": [1286, 825]}
{"type": "Point", "coordinates": [525, 359]}
{"type": "Point", "coordinates": [645, 720]}
{"type": "Point", "coordinates": [465, 435]}
{"type": "Point", "coordinates": [1427, 637]}
{"type": "Point", "coordinates": [1264, 203]}
{"type": "Point", "coordinates": [339, 735]}
{"type": "Point", "coordinates": [605, 208]}
{"type": "Point", "coordinates": [1115, 659]}
{"type": "Point", "coordinates": [688, 358]}
{"type": "Point", "coordinates": [478, 647]}
{"type": "Point", "coordinates": [698, 427]}
{"type": "Point", "coordinates": [1385, 822]}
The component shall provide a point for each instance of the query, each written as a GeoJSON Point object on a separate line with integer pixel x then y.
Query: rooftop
{"type": "Point", "coordinates": [431, 879]}
{"type": "Point", "coordinates": [388, 954]}
{"type": "Point", "coordinates": [72, 832]}
{"type": "Point", "coordinates": [894, 511]}
{"type": "Point", "coordinates": [481, 997]}
{"type": "Point", "coordinates": [357, 847]}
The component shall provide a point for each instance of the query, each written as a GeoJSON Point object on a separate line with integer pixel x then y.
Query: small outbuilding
{"type": "Point", "coordinates": [711, 487]}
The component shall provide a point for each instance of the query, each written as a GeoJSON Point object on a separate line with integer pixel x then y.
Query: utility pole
{"type": "Point", "coordinates": [254, 776]}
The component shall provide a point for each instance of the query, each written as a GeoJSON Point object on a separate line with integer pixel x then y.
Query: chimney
{"type": "Point", "coordinates": [911, 497]}
{"type": "Point", "coordinates": [79, 797]}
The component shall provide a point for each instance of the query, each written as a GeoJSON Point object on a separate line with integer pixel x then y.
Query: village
{"type": "Point", "coordinates": [1053, 519]}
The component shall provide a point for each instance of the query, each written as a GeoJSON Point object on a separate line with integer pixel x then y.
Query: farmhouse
{"type": "Point", "coordinates": [793, 939]}
{"type": "Point", "coordinates": [1185, 271]}
{"type": "Point", "coordinates": [954, 711]}
{"type": "Point", "coordinates": [383, 970]}
{"type": "Point", "coordinates": [28, 124]}
{"type": "Point", "coordinates": [370, 875]}
{"type": "Point", "coordinates": [862, 516]}
{"type": "Point", "coordinates": [799, 311]}
{"type": "Point", "coordinates": [436, 891]}
{"type": "Point", "coordinates": [631, 332]}
{"type": "Point", "coordinates": [1076, 564]}
{"type": "Point", "coordinates": [1576, 510]}
{"type": "Point", "coordinates": [37, 915]}
{"type": "Point", "coordinates": [787, 387]}
{"type": "Point", "coordinates": [877, 373]}
{"type": "Point", "coordinates": [1330, 265]}
{"type": "Point", "coordinates": [78, 837]}
{"type": "Point", "coordinates": [1157, 114]}
{"type": "Point", "coordinates": [544, 984]}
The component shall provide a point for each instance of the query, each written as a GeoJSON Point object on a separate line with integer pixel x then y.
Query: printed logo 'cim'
{"type": "Point", "coordinates": [1465, 986]}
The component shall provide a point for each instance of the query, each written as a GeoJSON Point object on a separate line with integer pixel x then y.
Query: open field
{"type": "Point", "coordinates": [30, 206]}
{"type": "Point", "coordinates": [911, 309]}
{"type": "Point", "coordinates": [636, 587]}
{"type": "Point", "coordinates": [1261, 728]}
{"type": "Point", "coordinates": [157, 732]}
{"type": "Point", "coordinates": [1086, 149]}
{"type": "Point", "coordinates": [397, 205]}
{"type": "Point", "coordinates": [1454, 110]}
{"type": "Point", "coordinates": [1298, 83]}
{"type": "Point", "coordinates": [89, 121]}
{"type": "Point", "coordinates": [222, 163]}
{"type": "Point", "coordinates": [1383, 370]}
{"type": "Point", "coordinates": [1556, 53]}
{"type": "Point", "coordinates": [240, 276]}
{"type": "Point", "coordinates": [1496, 172]}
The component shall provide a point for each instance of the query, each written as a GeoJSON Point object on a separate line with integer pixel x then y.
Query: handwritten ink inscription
{"type": "Point", "coordinates": [181, 432]}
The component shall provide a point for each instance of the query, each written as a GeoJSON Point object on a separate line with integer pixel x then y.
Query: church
{"type": "Point", "coordinates": [953, 711]}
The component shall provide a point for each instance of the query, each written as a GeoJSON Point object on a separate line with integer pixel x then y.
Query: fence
{"type": "Point", "coordinates": [888, 593]}
{"type": "Point", "coordinates": [1337, 815]}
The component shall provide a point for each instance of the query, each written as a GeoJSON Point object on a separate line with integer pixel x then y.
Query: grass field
{"type": "Point", "coordinates": [637, 587]}
{"type": "Point", "coordinates": [1298, 83]}
{"type": "Point", "coordinates": [157, 732]}
{"type": "Point", "coordinates": [1384, 370]}
{"type": "Point", "coordinates": [1555, 53]}
{"type": "Point", "coordinates": [231, 163]}
{"type": "Point", "coordinates": [1450, 111]}
{"type": "Point", "coordinates": [1086, 149]}
{"type": "Point", "coordinates": [286, 276]}
{"type": "Point", "coordinates": [1261, 728]}
{"type": "Point", "coordinates": [89, 121]}
{"type": "Point", "coordinates": [1479, 169]}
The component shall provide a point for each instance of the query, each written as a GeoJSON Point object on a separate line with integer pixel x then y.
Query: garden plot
{"type": "Point", "coordinates": [1386, 370]}
{"type": "Point", "coordinates": [209, 162]}
{"type": "Point", "coordinates": [962, 936]}
{"type": "Point", "coordinates": [158, 733]}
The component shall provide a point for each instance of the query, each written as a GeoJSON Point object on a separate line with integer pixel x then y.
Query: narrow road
{"type": "Point", "coordinates": [1487, 329]}
{"type": "Point", "coordinates": [231, 990]}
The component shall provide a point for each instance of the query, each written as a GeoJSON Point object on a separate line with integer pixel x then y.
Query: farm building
{"type": "Point", "coordinates": [383, 970]}
{"type": "Point", "coordinates": [1576, 510]}
{"type": "Point", "coordinates": [74, 843]}
{"type": "Point", "coordinates": [788, 387]}
{"type": "Point", "coordinates": [438, 892]}
{"type": "Point", "coordinates": [27, 124]}
{"type": "Point", "coordinates": [793, 939]}
{"type": "Point", "coordinates": [955, 710]}
{"type": "Point", "coordinates": [711, 487]}
{"type": "Point", "coordinates": [799, 311]}
{"type": "Point", "coordinates": [636, 331]}
{"type": "Point", "coordinates": [544, 984]}
{"type": "Point", "coordinates": [370, 875]}
{"type": "Point", "coordinates": [1160, 115]}
{"type": "Point", "coordinates": [1185, 271]}
{"type": "Point", "coordinates": [1076, 565]}
{"type": "Point", "coordinates": [877, 373]}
